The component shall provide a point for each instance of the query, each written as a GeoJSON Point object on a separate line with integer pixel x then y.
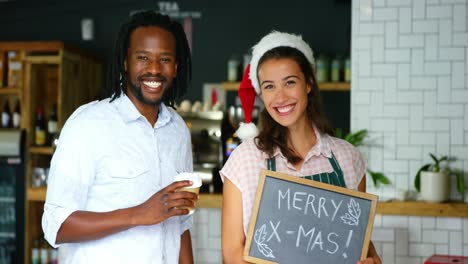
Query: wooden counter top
{"type": "Point", "coordinates": [409, 208]}
{"type": "Point", "coordinates": [210, 201]}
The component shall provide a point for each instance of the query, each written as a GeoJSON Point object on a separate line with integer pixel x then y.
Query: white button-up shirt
{"type": "Point", "coordinates": [110, 157]}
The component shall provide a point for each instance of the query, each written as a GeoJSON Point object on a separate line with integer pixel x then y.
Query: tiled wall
{"type": "Point", "coordinates": [206, 236]}
{"type": "Point", "coordinates": [410, 89]}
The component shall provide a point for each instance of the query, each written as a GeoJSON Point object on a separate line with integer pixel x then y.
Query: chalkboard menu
{"type": "Point", "coordinates": [296, 220]}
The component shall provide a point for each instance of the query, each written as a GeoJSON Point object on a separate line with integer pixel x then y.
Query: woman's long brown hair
{"type": "Point", "coordinates": [273, 135]}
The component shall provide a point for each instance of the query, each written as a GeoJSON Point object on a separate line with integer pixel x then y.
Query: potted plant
{"type": "Point", "coordinates": [433, 181]}
{"type": "Point", "coordinates": [356, 139]}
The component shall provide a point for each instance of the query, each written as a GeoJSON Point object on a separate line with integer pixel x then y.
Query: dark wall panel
{"type": "Point", "coordinates": [225, 27]}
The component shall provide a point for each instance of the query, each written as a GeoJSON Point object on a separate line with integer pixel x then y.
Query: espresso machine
{"type": "Point", "coordinates": [205, 130]}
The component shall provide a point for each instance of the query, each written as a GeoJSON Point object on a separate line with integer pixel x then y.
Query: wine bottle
{"type": "Point", "coordinates": [35, 256]}
{"type": "Point", "coordinates": [6, 115]}
{"type": "Point", "coordinates": [335, 69]}
{"type": "Point", "coordinates": [40, 128]}
{"type": "Point", "coordinates": [17, 115]}
{"type": "Point", "coordinates": [44, 252]}
{"type": "Point", "coordinates": [52, 125]}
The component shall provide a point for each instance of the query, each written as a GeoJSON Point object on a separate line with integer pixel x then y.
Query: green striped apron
{"type": "Point", "coordinates": [334, 178]}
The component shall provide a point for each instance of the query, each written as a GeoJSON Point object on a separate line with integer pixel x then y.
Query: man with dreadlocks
{"type": "Point", "coordinates": [111, 196]}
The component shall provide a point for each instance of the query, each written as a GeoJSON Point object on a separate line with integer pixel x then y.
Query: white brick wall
{"type": "Point", "coordinates": [206, 236]}
{"type": "Point", "coordinates": [410, 89]}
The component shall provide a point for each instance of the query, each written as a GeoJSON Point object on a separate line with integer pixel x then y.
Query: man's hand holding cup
{"type": "Point", "coordinates": [194, 188]}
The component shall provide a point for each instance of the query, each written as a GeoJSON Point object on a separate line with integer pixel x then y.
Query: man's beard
{"type": "Point", "coordinates": [137, 92]}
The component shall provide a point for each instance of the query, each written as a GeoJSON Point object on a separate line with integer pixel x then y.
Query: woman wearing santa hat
{"type": "Point", "coordinates": [294, 138]}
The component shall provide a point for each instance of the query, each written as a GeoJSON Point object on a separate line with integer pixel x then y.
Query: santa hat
{"type": "Point", "coordinates": [247, 95]}
{"type": "Point", "coordinates": [249, 85]}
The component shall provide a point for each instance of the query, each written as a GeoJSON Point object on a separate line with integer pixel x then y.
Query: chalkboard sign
{"type": "Point", "coordinates": [297, 220]}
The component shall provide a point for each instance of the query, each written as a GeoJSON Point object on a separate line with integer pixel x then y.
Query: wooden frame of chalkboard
{"type": "Point", "coordinates": [272, 231]}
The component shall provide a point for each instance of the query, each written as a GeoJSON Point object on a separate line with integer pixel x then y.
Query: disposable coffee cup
{"type": "Point", "coordinates": [195, 187]}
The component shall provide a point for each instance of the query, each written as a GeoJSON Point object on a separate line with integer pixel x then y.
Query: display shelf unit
{"type": "Point", "coordinates": [9, 91]}
{"type": "Point", "coordinates": [323, 86]}
{"type": "Point", "coordinates": [37, 194]}
{"type": "Point", "coordinates": [41, 150]}
{"type": "Point", "coordinates": [50, 73]}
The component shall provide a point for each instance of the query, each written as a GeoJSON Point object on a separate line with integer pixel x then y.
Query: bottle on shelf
{"type": "Point", "coordinates": [40, 128]}
{"type": "Point", "coordinates": [322, 68]}
{"type": "Point", "coordinates": [52, 126]}
{"type": "Point", "coordinates": [35, 253]}
{"type": "Point", "coordinates": [6, 115]}
{"type": "Point", "coordinates": [347, 71]}
{"type": "Point", "coordinates": [53, 256]}
{"type": "Point", "coordinates": [44, 252]}
{"type": "Point", "coordinates": [14, 69]}
{"type": "Point", "coordinates": [17, 115]}
{"type": "Point", "coordinates": [336, 69]}
{"type": "Point", "coordinates": [233, 69]}
{"type": "Point", "coordinates": [246, 60]}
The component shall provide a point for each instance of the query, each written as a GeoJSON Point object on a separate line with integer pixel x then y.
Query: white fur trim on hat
{"type": "Point", "coordinates": [246, 131]}
{"type": "Point", "coordinates": [271, 41]}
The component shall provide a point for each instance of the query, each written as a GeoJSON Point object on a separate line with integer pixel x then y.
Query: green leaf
{"type": "Point", "coordinates": [374, 180]}
{"type": "Point", "coordinates": [417, 179]}
{"type": "Point", "coordinates": [378, 178]}
{"type": "Point", "coordinates": [444, 158]}
{"type": "Point", "coordinates": [434, 158]}
{"type": "Point", "coordinates": [356, 138]}
{"type": "Point", "coordinates": [339, 133]}
{"type": "Point", "coordinates": [460, 182]}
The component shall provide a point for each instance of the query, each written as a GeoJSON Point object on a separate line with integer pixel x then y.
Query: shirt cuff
{"type": "Point", "coordinates": [186, 222]}
{"type": "Point", "coordinates": [52, 220]}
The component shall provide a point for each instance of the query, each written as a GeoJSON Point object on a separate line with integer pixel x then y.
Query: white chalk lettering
{"type": "Point", "coordinates": [317, 241]}
{"type": "Point", "coordinates": [337, 207]}
{"type": "Point", "coordinates": [310, 202]}
{"type": "Point", "coordinates": [302, 232]}
{"type": "Point", "coordinates": [281, 196]}
{"type": "Point", "coordinates": [274, 231]}
{"type": "Point", "coordinates": [333, 242]}
{"type": "Point", "coordinates": [322, 206]}
{"type": "Point", "coordinates": [296, 198]}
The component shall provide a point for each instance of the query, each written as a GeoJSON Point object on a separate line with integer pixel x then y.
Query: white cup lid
{"type": "Point", "coordinates": [189, 176]}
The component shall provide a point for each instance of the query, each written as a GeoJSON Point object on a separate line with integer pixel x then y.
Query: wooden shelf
{"type": "Point", "coordinates": [41, 46]}
{"type": "Point", "coordinates": [334, 86]}
{"type": "Point", "coordinates": [324, 86]}
{"type": "Point", "coordinates": [50, 59]}
{"type": "Point", "coordinates": [206, 200]}
{"type": "Point", "coordinates": [210, 201]}
{"type": "Point", "coordinates": [230, 86]}
{"type": "Point", "coordinates": [423, 209]}
{"type": "Point", "coordinates": [36, 194]}
{"type": "Point", "coordinates": [9, 90]}
{"type": "Point", "coordinates": [53, 74]}
{"type": "Point", "coordinates": [384, 208]}
{"type": "Point", "coordinates": [41, 150]}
